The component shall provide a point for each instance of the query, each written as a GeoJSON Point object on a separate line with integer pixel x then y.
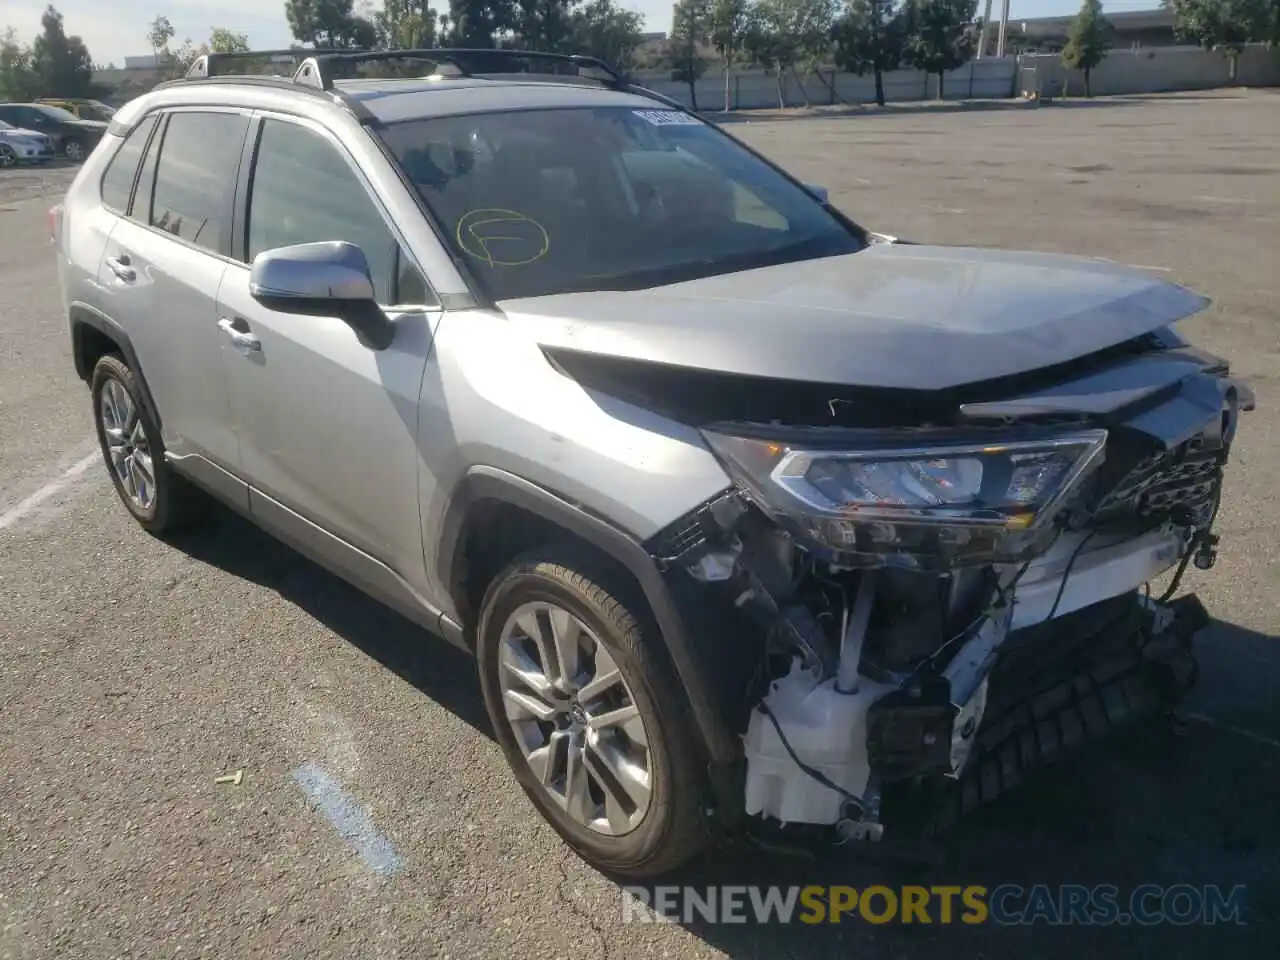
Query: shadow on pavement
{"type": "Point", "coordinates": [1195, 803]}
{"type": "Point", "coordinates": [435, 667]}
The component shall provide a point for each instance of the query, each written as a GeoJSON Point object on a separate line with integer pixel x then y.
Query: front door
{"type": "Point", "coordinates": [328, 427]}
{"type": "Point", "coordinates": [161, 271]}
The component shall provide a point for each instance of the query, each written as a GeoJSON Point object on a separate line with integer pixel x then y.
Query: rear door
{"type": "Point", "coordinates": [161, 271]}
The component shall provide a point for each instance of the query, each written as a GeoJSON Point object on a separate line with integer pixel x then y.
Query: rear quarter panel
{"type": "Point", "coordinates": [86, 227]}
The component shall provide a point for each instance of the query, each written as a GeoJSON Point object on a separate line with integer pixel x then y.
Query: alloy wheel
{"type": "Point", "coordinates": [7, 157]}
{"type": "Point", "coordinates": [128, 447]}
{"type": "Point", "coordinates": [74, 151]}
{"type": "Point", "coordinates": [575, 719]}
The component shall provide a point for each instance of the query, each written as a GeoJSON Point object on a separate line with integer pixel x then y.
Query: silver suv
{"type": "Point", "coordinates": [760, 525]}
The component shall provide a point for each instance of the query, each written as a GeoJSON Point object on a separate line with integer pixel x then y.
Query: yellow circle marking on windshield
{"type": "Point", "coordinates": [501, 237]}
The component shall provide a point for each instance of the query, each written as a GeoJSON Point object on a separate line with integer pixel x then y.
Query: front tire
{"type": "Point", "coordinates": [74, 151]}
{"type": "Point", "coordinates": [159, 499]}
{"type": "Point", "coordinates": [8, 156]}
{"type": "Point", "coordinates": [587, 713]}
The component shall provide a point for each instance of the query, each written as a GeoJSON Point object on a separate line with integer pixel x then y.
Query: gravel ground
{"type": "Point", "coordinates": [132, 673]}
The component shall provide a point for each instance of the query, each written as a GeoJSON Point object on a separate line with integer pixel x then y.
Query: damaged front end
{"type": "Point", "coordinates": [933, 611]}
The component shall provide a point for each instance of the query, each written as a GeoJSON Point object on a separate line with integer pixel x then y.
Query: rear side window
{"type": "Point", "coordinates": [117, 182]}
{"type": "Point", "coordinates": [304, 191]}
{"type": "Point", "coordinates": [195, 176]}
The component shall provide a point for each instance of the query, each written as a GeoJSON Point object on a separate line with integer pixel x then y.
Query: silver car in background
{"type": "Point", "coordinates": [19, 145]}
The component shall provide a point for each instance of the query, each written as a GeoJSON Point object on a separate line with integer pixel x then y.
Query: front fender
{"type": "Point", "coordinates": [487, 484]}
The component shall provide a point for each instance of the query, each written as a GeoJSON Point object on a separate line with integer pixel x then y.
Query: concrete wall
{"type": "Point", "coordinates": [1148, 71]}
{"type": "Point", "coordinates": [755, 89]}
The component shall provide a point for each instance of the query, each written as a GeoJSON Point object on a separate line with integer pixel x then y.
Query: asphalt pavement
{"type": "Point", "coordinates": [374, 815]}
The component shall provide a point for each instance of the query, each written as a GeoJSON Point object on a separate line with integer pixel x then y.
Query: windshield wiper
{"type": "Point", "coordinates": [709, 267]}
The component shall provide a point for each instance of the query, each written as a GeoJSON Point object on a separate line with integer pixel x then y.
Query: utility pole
{"type": "Point", "coordinates": [1004, 23]}
{"type": "Point", "coordinates": [879, 39]}
{"type": "Point", "coordinates": [984, 32]}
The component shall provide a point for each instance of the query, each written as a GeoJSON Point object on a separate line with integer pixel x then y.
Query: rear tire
{"type": "Point", "coordinates": [159, 499]}
{"type": "Point", "coordinates": [617, 646]}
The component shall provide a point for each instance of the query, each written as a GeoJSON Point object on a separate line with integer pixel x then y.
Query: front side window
{"type": "Point", "coordinates": [55, 113]}
{"type": "Point", "coordinates": [304, 191]}
{"type": "Point", "coordinates": [191, 198]}
{"type": "Point", "coordinates": [552, 201]}
{"type": "Point", "coordinates": [117, 181]}
{"type": "Point", "coordinates": [19, 116]}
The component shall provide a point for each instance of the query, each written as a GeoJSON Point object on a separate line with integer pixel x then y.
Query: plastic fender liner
{"type": "Point", "coordinates": [489, 483]}
{"type": "Point", "coordinates": [82, 317]}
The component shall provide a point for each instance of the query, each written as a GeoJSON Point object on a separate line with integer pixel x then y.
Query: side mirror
{"type": "Point", "coordinates": [817, 191]}
{"type": "Point", "coordinates": [326, 279]}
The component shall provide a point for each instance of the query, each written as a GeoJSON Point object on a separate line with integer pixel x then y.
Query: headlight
{"type": "Point", "coordinates": [953, 502]}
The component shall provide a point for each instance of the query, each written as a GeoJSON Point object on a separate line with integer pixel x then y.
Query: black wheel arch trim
{"type": "Point", "coordinates": [489, 483]}
{"type": "Point", "coordinates": [81, 316]}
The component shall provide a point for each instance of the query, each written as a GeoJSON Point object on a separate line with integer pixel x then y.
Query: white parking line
{"type": "Point", "coordinates": [25, 506]}
{"type": "Point", "coordinates": [348, 819]}
{"type": "Point", "coordinates": [1205, 198]}
{"type": "Point", "coordinates": [1238, 731]}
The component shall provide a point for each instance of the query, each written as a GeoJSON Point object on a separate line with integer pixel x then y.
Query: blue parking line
{"type": "Point", "coordinates": [349, 819]}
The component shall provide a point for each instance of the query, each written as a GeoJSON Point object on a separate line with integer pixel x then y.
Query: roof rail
{"type": "Point", "coordinates": [209, 65]}
{"type": "Point", "coordinates": [320, 68]}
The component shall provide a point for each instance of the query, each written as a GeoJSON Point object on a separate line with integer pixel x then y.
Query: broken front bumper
{"type": "Point", "coordinates": [951, 721]}
{"type": "Point", "coordinates": [1125, 662]}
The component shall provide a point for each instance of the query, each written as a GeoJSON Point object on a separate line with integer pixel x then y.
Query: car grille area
{"type": "Point", "coordinates": [1181, 484]}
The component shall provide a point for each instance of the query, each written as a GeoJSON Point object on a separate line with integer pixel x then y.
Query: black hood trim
{"type": "Point", "coordinates": [699, 397]}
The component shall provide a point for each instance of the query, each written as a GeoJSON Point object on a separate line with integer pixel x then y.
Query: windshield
{"type": "Point", "coordinates": [552, 201]}
{"type": "Point", "coordinates": [57, 113]}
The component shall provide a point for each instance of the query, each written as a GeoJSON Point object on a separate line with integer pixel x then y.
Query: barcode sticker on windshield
{"type": "Point", "coordinates": [667, 118]}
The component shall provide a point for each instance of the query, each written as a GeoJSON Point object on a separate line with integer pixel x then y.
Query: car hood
{"type": "Point", "coordinates": [894, 316]}
{"type": "Point", "coordinates": [20, 132]}
{"type": "Point", "coordinates": [95, 125]}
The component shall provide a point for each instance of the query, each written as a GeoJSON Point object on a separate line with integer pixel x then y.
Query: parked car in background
{"type": "Point", "coordinates": [18, 145]}
{"type": "Point", "coordinates": [83, 109]}
{"type": "Point", "coordinates": [72, 137]}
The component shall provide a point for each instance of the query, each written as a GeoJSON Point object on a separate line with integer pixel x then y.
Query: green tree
{"type": "Point", "coordinates": [784, 34]}
{"type": "Point", "coordinates": [329, 24]}
{"type": "Point", "coordinates": [603, 29]}
{"type": "Point", "coordinates": [728, 27]}
{"type": "Point", "coordinates": [868, 38]}
{"type": "Point", "coordinates": [159, 33]}
{"type": "Point", "coordinates": [542, 24]}
{"type": "Point", "coordinates": [222, 40]}
{"type": "Point", "coordinates": [1224, 25]}
{"type": "Point", "coordinates": [689, 34]}
{"type": "Point", "coordinates": [938, 35]}
{"type": "Point", "coordinates": [18, 81]}
{"type": "Point", "coordinates": [1088, 41]}
{"type": "Point", "coordinates": [178, 62]}
{"type": "Point", "coordinates": [62, 63]}
{"type": "Point", "coordinates": [405, 25]}
{"type": "Point", "coordinates": [477, 23]}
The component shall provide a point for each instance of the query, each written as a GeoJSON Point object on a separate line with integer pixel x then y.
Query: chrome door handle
{"type": "Point", "coordinates": [242, 340]}
{"type": "Point", "coordinates": [121, 267]}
